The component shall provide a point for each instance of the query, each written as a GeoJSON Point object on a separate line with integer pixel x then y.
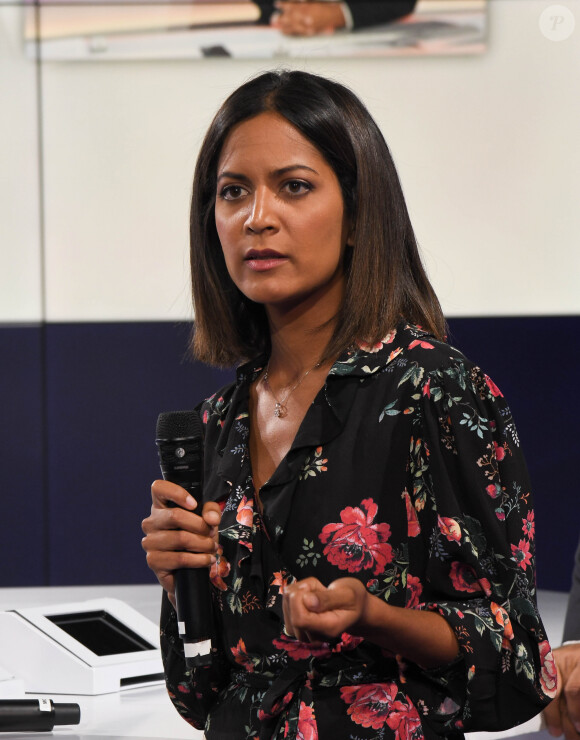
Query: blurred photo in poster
{"type": "Point", "coordinates": [242, 29]}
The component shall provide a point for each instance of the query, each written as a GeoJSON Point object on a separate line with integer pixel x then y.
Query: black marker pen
{"type": "Point", "coordinates": [36, 715]}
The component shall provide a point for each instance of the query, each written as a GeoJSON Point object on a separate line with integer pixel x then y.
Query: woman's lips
{"type": "Point", "coordinates": [262, 260]}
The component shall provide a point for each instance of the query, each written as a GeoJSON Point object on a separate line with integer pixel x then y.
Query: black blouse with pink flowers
{"type": "Point", "coordinates": [406, 473]}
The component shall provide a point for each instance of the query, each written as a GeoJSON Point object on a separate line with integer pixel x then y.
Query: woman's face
{"type": "Point", "coordinates": [280, 217]}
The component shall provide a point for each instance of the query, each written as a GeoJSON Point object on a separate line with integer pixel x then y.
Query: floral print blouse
{"type": "Point", "coordinates": [406, 473]}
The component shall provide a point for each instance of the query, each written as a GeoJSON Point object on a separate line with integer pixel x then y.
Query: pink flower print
{"type": "Point", "coordinates": [297, 650]}
{"type": "Point", "coordinates": [277, 707]}
{"type": "Point", "coordinates": [374, 348]}
{"type": "Point", "coordinates": [245, 513]}
{"type": "Point", "coordinates": [241, 656]}
{"type": "Point", "coordinates": [394, 353]}
{"type": "Point", "coordinates": [548, 673]}
{"type": "Point", "coordinates": [280, 579]}
{"type": "Point", "coordinates": [370, 348]}
{"type": "Point", "coordinates": [521, 554]}
{"type": "Point", "coordinates": [405, 721]}
{"type": "Point", "coordinates": [500, 451]}
{"type": "Point", "coordinates": [369, 705]}
{"type": "Point", "coordinates": [529, 526]}
{"type": "Point", "coordinates": [307, 728]}
{"type": "Point", "coordinates": [414, 589]}
{"type": "Point", "coordinates": [503, 619]}
{"type": "Point", "coordinates": [347, 642]}
{"type": "Point", "coordinates": [495, 391]}
{"type": "Point", "coordinates": [450, 528]}
{"type": "Point", "coordinates": [375, 705]}
{"type": "Point", "coordinates": [357, 543]}
{"type": "Point", "coordinates": [419, 343]}
{"type": "Point", "coordinates": [493, 490]}
{"type": "Point", "coordinates": [413, 527]}
{"type": "Point", "coordinates": [464, 578]}
{"type": "Point", "coordinates": [219, 570]}
{"type": "Point", "coordinates": [485, 586]}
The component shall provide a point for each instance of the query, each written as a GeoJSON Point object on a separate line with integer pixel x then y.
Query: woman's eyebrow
{"type": "Point", "coordinates": [232, 176]}
{"type": "Point", "coordinates": [291, 167]}
{"type": "Point", "coordinates": [274, 173]}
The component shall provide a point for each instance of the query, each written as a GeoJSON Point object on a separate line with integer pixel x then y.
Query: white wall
{"type": "Point", "coordinates": [486, 146]}
{"type": "Point", "coordinates": [20, 256]}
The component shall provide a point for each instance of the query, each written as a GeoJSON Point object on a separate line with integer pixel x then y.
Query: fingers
{"type": "Point", "coordinates": [164, 562]}
{"type": "Point", "coordinates": [298, 598]}
{"type": "Point", "coordinates": [552, 717]}
{"type": "Point", "coordinates": [173, 508]}
{"type": "Point", "coordinates": [164, 559]}
{"type": "Point", "coordinates": [165, 493]}
{"type": "Point", "coordinates": [178, 541]}
{"type": "Point", "coordinates": [571, 693]}
{"type": "Point", "coordinates": [562, 715]}
{"type": "Point", "coordinates": [314, 612]}
{"type": "Point", "coordinates": [212, 514]}
{"type": "Point", "coordinates": [567, 728]}
{"type": "Point", "coordinates": [176, 535]}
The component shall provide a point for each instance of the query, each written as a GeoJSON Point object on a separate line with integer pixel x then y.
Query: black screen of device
{"type": "Point", "coordinates": [100, 632]}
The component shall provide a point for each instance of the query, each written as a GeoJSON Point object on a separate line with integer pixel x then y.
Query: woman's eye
{"type": "Point", "coordinates": [297, 187]}
{"type": "Point", "coordinates": [232, 192]}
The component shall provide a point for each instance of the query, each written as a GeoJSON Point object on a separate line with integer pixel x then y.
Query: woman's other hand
{"type": "Point", "coordinates": [308, 18]}
{"type": "Point", "coordinates": [177, 537]}
{"type": "Point", "coordinates": [313, 612]}
{"type": "Point", "coordinates": [562, 716]}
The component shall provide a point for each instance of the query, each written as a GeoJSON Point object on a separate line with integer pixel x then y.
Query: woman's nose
{"type": "Point", "coordinates": [262, 215]}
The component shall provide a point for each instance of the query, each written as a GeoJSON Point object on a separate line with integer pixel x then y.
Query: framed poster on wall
{"type": "Point", "coordinates": [242, 29]}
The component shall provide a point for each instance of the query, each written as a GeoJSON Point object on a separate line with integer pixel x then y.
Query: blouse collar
{"type": "Point", "coordinates": [360, 362]}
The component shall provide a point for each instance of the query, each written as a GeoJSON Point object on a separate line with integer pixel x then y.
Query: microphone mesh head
{"type": "Point", "coordinates": [179, 425]}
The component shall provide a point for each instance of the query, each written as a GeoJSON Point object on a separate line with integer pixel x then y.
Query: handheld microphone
{"type": "Point", "coordinates": [179, 441]}
{"type": "Point", "coordinates": [36, 715]}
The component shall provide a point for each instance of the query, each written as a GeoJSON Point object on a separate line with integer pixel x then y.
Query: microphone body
{"type": "Point", "coordinates": [36, 715]}
{"type": "Point", "coordinates": [179, 441]}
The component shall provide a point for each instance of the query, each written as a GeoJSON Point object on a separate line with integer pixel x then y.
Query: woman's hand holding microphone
{"type": "Point", "coordinates": [176, 535]}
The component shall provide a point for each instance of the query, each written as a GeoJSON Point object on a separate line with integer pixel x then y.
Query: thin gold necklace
{"type": "Point", "coordinates": [280, 408]}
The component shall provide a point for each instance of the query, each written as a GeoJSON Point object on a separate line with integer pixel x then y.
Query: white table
{"type": "Point", "coordinates": [146, 713]}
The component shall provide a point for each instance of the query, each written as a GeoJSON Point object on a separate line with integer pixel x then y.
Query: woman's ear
{"type": "Point", "coordinates": [350, 237]}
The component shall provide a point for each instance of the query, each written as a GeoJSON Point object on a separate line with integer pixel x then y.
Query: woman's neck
{"type": "Point", "coordinates": [300, 334]}
{"type": "Point", "coordinates": [298, 343]}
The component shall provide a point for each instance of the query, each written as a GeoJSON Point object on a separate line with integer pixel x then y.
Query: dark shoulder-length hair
{"type": "Point", "coordinates": [385, 279]}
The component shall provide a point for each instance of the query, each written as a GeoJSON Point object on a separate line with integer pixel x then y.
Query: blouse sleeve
{"type": "Point", "coordinates": [474, 507]}
{"type": "Point", "coordinates": [193, 692]}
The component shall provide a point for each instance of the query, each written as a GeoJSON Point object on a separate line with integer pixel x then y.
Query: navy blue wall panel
{"type": "Point", "coordinates": [22, 521]}
{"type": "Point", "coordinates": [106, 385]}
{"type": "Point", "coordinates": [72, 515]}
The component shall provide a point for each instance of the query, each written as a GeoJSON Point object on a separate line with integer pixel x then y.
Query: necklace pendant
{"type": "Point", "coordinates": [280, 410]}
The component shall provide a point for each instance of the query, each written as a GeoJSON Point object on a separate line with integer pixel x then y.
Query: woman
{"type": "Point", "coordinates": [373, 575]}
